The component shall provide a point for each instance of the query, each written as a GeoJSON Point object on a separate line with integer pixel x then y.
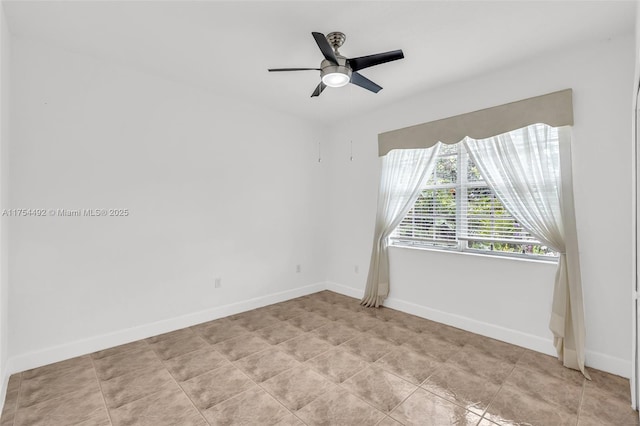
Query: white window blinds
{"type": "Point", "coordinates": [457, 210]}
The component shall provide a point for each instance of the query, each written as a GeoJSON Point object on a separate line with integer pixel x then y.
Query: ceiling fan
{"type": "Point", "coordinates": [337, 70]}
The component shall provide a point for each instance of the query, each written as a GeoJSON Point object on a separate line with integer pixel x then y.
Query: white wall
{"type": "Point", "coordinates": [4, 191]}
{"type": "Point", "coordinates": [215, 188]}
{"type": "Point", "coordinates": [507, 299]}
{"type": "Point", "coordinates": [634, 251]}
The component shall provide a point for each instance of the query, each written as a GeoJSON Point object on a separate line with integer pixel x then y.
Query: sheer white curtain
{"type": "Point", "coordinates": [404, 173]}
{"type": "Point", "coordinates": [530, 172]}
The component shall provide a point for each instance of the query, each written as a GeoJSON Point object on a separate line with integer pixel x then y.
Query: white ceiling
{"type": "Point", "coordinates": [228, 46]}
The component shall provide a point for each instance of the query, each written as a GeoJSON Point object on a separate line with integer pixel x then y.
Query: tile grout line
{"type": "Point", "coordinates": [124, 353]}
{"type": "Point", "coordinates": [181, 388]}
{"type": "Point", "coordinates": [253, 332]}
{"type": "Point", "coordinates": [371, 364]}
{"type": "Point", "coordinates": [15, 412]}
{"type": "Point", "coordinates": [57, 396]}
{"type": "Point", "coordinates": [104, 400]}
{"type": "Point", "coordinates": [18, 398]}
{"type": "Point", "coordinates": [584, 385]}
{"type": "Point", "coordinates": [502, 384]}
{"type": "Point", "coordinates": [137, 370]}
{"type": "Point", "coordinates": [360, 398]}
{"type": "Point", "coordinates": [305, 332]}
{"type": "Point", "coordinates": [15, 408]}
{"type": "Point", "coordinates": [420, 387]}
{"type": "Point", "coordinates": [118, 353]}
{"type": "Point", "coordinates": [269, 393]}
{"type": "Point", "coordinates": [386, 416]}
{"type": "Point", "coordinates": [499, 389]}
{"type": "Point", "coordinates": [441, 366]}
{"type": "Point", "coordinates": [150, 347]}
{"type": "Point", "coordinates": [328, 378]}
{"type": "Point", "coordinates": [403, 401]}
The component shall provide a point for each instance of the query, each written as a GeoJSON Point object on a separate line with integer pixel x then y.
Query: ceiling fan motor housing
{"type": "Point", "coordinates": [328, 67]}
{"type": "Point", "coordinates": [336, 39]}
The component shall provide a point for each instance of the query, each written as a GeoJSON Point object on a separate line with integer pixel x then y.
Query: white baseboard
{"type": "Point", "coordinates": [82, 347]}
{"type": "Point", "coordinates": [597, 360]}
{"type": "Point", "coordinates": [4, 384]}
{"type": "Point", "coordinates": [343, 289]}
{"type": "Point", "coordinates": [608, 363]}
{"type": "Point", "coordinates": [53, 354]}
{"type": "Point", "coordinates": [497, 332]}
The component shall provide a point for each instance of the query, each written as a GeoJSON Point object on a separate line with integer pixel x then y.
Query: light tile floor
{"type": "Point", "coordinates": [317, 360]}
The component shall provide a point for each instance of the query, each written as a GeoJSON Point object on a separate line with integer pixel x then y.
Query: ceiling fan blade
{"type": "Point", "coordinates": [293, 69]}
{"type": "Point", "coordinates": [319, 88]}
{"type": "Point", "coordinates": [362, 81]}
{"type": "Point", "coordinates": [325, 47]}
{"type": "Point", "coordinates": [363, 62]}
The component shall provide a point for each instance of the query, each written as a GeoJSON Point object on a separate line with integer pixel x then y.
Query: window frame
{"type": "Point", "coordinates": [462, 239]}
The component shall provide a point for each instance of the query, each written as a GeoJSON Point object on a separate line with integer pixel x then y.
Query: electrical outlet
{"type": "Point", "coordinates": [217, 283]}
{"type": "Point", "coordinates": [298, 268]}
{"type": "Point", "coordinates": [356, 269]}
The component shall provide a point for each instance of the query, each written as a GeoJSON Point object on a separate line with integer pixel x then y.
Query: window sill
{"type": "Point", "coordinates": [550, 261]}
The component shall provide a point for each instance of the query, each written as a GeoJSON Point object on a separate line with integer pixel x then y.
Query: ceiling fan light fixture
{"type": "Point", "coordinates": [335, 75]}
{"type": "Point", "coordinates": [337, 70]}
{"type": "Point", "coordinates": [336, 79]}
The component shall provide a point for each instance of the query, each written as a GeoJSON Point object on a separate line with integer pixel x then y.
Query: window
{"type": "Point", "coordinates": [457, 210]}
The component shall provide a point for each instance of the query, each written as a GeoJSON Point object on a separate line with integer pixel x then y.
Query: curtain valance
{"type": "Point", "coordinates": [554, 109]}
